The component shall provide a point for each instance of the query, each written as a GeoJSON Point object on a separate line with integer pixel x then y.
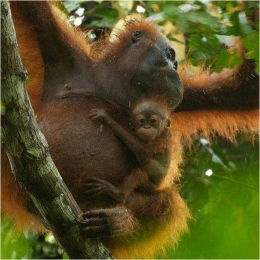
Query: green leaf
{"type": "Point", "coordinates": [251, 43]}
{"type": "Point", "coordinates": [203, 18]}
{"type": "Point", "coordinates": [225, 59]}
{"type": "Point", "coordinates": [235, 28]}
{"type": "Point", "coordinates": [71, 6]}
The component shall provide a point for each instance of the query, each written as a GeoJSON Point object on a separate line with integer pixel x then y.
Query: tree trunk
{"type": "Point", "coordinates": [29, 155]}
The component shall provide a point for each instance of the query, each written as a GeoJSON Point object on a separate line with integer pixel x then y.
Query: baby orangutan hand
{"type": "Point", "coordinates": [95, 187]}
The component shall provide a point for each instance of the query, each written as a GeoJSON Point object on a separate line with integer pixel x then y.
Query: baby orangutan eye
{"type": "Point", "coordinates": [141, 119]}
{"type": "Point", "coordinates": [153, 119]}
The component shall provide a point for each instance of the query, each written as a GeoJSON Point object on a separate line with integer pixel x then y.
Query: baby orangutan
{"type": "Point", "coordinates": [151, 145]}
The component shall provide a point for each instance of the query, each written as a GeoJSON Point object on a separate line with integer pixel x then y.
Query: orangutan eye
{"type": "Point", "coordinates": [171, 54]}
{"type": "Point", "coordinates": [153, 120]}
{"type": "Point", "coordinates": [142, 120]}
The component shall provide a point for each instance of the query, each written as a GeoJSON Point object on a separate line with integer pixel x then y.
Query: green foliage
{"type": "Point", "coordinates": [101, 15]}
{"type": "Point", "coordinates": [224, 205]}
{"type": "Point", "coordinates": [27, 245]}
{"type": "Point", "coordinates": [13, 244]}
{"type": "Point", "coordinates": [225, 57]}
{"type": "Point", "coordinates": [251, 43]}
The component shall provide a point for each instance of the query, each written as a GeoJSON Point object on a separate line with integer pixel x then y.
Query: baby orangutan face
{"type": "Point", "coordinates": [149, 119]}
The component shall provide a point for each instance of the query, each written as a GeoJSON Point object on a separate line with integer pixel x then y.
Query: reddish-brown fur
{"type": "Point", "coordinates": [150, 141]}
{"type": "Point", "coordinates": [69, 141]}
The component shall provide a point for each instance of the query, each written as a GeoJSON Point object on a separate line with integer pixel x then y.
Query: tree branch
{"type": "Point", "coordinates": [29, 155]}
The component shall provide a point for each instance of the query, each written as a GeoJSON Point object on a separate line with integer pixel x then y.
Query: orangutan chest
{"type": "Point", "coordinates": [82, 148]}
